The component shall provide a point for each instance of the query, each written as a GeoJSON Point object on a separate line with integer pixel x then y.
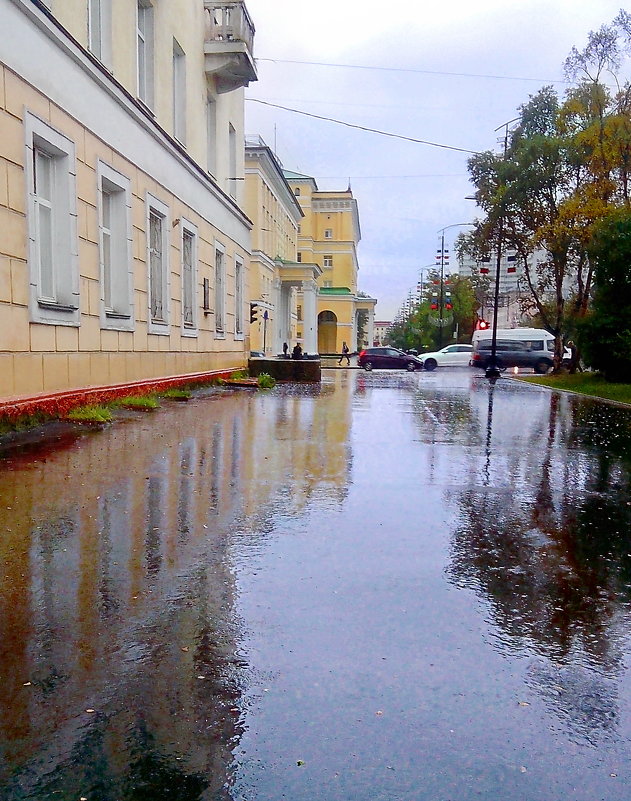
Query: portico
{"type": "Point", "coordinates": [300, 277]}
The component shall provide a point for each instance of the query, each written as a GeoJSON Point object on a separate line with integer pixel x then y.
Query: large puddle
{"type": "Point", "coordinates": [392, 586]}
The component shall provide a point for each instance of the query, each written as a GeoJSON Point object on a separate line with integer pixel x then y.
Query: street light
{"type": "Point", "coordinates": [492, 369]}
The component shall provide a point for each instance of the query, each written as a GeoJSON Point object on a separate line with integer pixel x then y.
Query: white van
{"type": "Point", "coordinates": [516, 347]}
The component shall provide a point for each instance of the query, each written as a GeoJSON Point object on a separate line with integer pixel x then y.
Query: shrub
{"type": "Point", "coordinates": [265, 381]}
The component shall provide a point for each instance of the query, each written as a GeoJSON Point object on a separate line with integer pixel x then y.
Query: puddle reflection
{"type": "Point", "coordinates": [117, 599]}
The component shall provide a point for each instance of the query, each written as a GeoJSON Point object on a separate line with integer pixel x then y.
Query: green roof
{"type": "Point", "coordinates": [335, 290]}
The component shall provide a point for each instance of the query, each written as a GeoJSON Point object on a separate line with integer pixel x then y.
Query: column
{"type": "Point", "coordinates": [370, 334]}
{"type": "Point", "coordinates": [309, 317]}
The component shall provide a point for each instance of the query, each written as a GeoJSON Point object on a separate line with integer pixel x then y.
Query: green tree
{"type": "Point", "coordinates": [605, 334]}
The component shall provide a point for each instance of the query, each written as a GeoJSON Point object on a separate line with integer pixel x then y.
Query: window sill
{"type": "Point", "coordinates": [51, 305]}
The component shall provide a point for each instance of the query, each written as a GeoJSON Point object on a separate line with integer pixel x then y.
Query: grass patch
{"type": "Point", "coordinates": [90, 414]}
{"type": "Point", "coordinates": [238, 374]}
{"type": "Point", "coordinates": [592, 384]}
{"type": "Point", "coordinates": [144, 402]}
{"type": "Point", "coordinates": [176, 394]}
{"type": "Point", "coordinates": [25, 422]}
{"type": "Point", "coordinates": [265, 381]}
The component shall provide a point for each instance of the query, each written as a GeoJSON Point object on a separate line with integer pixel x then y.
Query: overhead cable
{"type": "Point", "coordinates": [362, 127]}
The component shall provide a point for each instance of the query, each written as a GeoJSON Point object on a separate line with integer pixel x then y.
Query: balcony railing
{"type": "Point", "coordinates": [229, 44]}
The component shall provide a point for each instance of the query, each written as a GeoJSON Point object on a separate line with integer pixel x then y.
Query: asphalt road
{"type": "Point", "coordinates": [391, 587]}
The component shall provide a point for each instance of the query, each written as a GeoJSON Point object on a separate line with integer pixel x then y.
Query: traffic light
{"type": "Point", "coordinates": [254, 310]}
{"type": "Point", "coordinates": [482, 325]}
{"type": "Point", "coordinates": [448, 304]}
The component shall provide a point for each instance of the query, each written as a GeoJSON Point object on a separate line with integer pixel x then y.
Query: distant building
{"type": "Point", "coordinates": [381, 329]}
{"type": "Point", "coordinates": [510, 289]}
{"type": "Point", "coordinates": [275, 275]}
{"type": "Point", "coordinates": [124, 248]}
{"type": "Point", "coordinates": [328, 237]}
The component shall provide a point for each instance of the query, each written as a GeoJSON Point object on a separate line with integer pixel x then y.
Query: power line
{"type": "Point", "coordinates": [362, 127]}
{"type": "Point", "coordinates": [412, 70]}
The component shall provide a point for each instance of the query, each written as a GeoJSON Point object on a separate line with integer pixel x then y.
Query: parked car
{"type": "Point", "coordinates": [451, 356]}
{"type": "Point", "coordinates": [389, 359]}
{"type": "Point", "coordinates": [516, 347]}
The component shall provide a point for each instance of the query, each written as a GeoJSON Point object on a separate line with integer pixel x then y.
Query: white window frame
{"type": "Point", "coordinates": [115, 249]}
{"type": "Point", "coordinates": [239, 295]}
{"type": "Point", "coordinates": [179, 92]}
{"type": "Point", "coordinates": [100, 30]}
{"type": "Point", "coordinates": [328, 233]}
{"type": "Point", "coordinates": [60, 305]}
{"type": "Point", "coordinates": [220, 290]}
{"type": "Point", "coordinates": [327, 261]}
{"type": "Point", "coordinates": [158, 325]}
{"type": "Point", "coordinates": [188, 229]}
{"type": "Point", "coordinates": [145, 47]}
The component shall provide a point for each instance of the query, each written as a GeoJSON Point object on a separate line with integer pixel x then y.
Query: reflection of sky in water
{"type": "Point", "coordinates": [413, 588]}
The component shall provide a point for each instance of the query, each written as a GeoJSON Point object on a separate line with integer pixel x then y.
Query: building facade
{"type": "Point", "coordinates": [511, 272]}
{"type": "Point", "coordinates": [277, 278]}
{"type": "Point", "coordinates": [381, 328]}
{"type": "Point", "coordinates": [124, 247]}
{"type": "Point", "coordinates": [329, 236]}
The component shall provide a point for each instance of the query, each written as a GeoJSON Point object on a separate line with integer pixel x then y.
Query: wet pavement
{"type": "Point", "coordinates": [391, 587]}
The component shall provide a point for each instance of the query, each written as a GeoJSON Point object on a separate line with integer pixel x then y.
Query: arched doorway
{"type": "Point", "coordinates": [327, 332]}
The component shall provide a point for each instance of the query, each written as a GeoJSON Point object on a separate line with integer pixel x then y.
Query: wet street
{"type": "Point", "coordinates": [390, 587]}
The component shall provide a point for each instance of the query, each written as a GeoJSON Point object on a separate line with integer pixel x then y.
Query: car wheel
{"type": "Point", "coordinates": [410, 366]}
{"type": "Point", "coordinates": [430, 364]}
{"type": "Point", "coordinates": [368, 366]}
{"type": "Point", "coordinates": [542, 366]}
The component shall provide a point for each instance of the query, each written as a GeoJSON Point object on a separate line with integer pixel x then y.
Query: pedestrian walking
{"type": "Point", "coordinates": [345, 352]}
{"type": "Point", "coordinates": [285, 349]}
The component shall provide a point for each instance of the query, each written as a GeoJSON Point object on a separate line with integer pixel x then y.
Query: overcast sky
{"type": "Point", "coordinates": [445, 72]}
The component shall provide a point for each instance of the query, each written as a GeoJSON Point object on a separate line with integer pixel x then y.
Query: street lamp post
{"type": "Point", "coordinates": [492, 370]}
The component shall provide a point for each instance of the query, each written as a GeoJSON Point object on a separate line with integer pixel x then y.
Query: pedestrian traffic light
{"type": "Point", "coordinates": [254, 310]}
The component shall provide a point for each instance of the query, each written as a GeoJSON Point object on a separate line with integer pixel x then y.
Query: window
{"type": "Point", "coordinates": [327, 261]}
{"type": "Point", "coordinates": [211, 134]}
{"type": "Point", "coordinates": [328, 233]}
{"type": "Point", "coordinates": [238, 297]}
{"type": "Point", "coordinates": [299, 313]}
{"type": "Point", "coordinates": [299, 257]}
{"type": "Point", "coordinates": [144, 51]}
{"type": "Point", "coordinates": [100, 29]}
{"type": "Point", "coordinates": [327, 284]}
{"type": "Point", "coordinates": [179, 93]}
{"type": "Point", "coordinates": [189, 277]}
{"type": "Point", "coordinates": [220, 288]}
{"type": "Point", "coordinates": [52, 224]}
{"type": "Point", "coordinates": [232, 155]}
{"type": "Point", "coordinates": [158, 265]}
{"type": "Point", "coordinates": [115, 248]}
{"type": "Point", "coordinates": [297, 191]}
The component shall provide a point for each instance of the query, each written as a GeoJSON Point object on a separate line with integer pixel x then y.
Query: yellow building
{"type": "Point", "coordinates": [124, 249]}
{"type": "Point", "coordinates": [329, 236]}
{"type": "Point", "coordinates": [276, 277]}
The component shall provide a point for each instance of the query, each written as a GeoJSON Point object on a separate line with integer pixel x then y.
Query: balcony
{"type": "Point", "coordinates": [228, 44]}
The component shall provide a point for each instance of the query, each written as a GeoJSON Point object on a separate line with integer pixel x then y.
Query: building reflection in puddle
{"type": "Point", "coordinates": [119, 655]}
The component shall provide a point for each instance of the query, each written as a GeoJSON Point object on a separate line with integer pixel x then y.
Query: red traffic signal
{"type": "Point", "coordinates": [482, 325]}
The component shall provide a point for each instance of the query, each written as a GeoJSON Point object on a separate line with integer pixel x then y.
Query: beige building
{"type": "Point", "coordinates": [276, 277]}
{"type": "Point", "coordinates": [380, 331]}
{"type": "Point", "coordinates": [329, 236]}
{"type": "Point", "coordinates": [124, 249]}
